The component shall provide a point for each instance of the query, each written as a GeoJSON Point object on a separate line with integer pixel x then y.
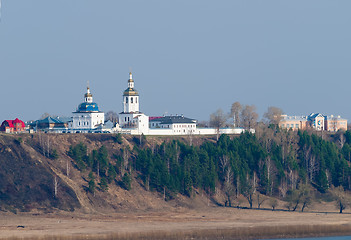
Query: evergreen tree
{"type": "Point", "coordinates": [103, 184]}
{"type": "Point", "coordinates": [126, 182]}
{"type": "Point", "coordinates": [91, 183]}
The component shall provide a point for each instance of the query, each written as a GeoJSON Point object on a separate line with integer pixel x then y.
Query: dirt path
{"type": "Point", "coordinates": [83, 200]}
{"type": "Point", "coordinates": [81, 196]}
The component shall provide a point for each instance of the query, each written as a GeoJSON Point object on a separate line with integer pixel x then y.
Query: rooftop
{"type": "Point", "coordinates": [172, 119]}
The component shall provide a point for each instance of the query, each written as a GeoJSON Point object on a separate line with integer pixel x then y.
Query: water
{"type": "Point", "coordinates": [318, 238]}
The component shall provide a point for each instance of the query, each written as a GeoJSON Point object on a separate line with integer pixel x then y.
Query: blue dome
{"type": "Point", "coordinates": [88, 107]}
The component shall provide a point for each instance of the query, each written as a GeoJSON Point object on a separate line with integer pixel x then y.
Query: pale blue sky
{"type": "Point", "coordinates": [188, 57]}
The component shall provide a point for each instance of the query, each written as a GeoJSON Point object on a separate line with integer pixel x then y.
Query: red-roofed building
{"type": "Point", "coordinates": [153, 118]}
{"type": "Point", "coordinates": [13, 126]}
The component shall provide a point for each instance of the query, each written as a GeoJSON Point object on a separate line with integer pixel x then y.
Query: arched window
{"type": "Point", "coordinates": [126, 99]}
{"type": "Point", "coordinates": [131, 100]}
{"type": "Point", "coordinates": [136, 99]}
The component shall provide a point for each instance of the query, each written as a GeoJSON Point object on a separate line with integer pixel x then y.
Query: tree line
{"type": "Point", "coordinates": [243, 116]}
{"type": "Point", "coordinates": [271, 162]}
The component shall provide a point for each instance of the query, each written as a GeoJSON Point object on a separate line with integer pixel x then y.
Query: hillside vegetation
{"type": "Point", "coordinates": [104, 172]}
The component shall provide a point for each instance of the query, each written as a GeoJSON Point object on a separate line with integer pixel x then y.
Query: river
{"type": "Point", "coordinates": [317, 238]}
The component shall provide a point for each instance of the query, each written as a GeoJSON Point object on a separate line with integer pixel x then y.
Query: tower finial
{"type": "Point", "coordinates": [130, 73]}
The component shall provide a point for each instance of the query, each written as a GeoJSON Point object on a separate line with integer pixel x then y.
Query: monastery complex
{"type": "Point", "coordinates": [88, 118]}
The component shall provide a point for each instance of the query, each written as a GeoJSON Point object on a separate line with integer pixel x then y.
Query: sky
{"type": "Point", "coordinates": [188, 57]}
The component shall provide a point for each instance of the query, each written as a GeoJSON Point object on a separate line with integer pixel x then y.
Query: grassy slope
{"type": "Point", "coordinates": [27, 176]}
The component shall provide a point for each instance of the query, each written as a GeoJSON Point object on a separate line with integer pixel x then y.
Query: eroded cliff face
{"type": "Point", "coordinates": [27, 180]}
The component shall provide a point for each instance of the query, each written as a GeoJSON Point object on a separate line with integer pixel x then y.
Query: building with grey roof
{"type": "Point", "coordinates": [315, 121]}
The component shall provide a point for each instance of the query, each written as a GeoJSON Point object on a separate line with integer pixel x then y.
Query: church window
{"type": "Point", "coordinates": [131, 100]}
{"type": "Point", "coordinates": [126, 99]}
{"type": "Point", "coordinates": [136, 100]}
{"type": "Point", "coordinates": [125, 119]}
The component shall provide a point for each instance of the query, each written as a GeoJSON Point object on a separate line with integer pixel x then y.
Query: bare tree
{"type": "Point", "coordinates": [218, 120]}
{"type": "Point", "coordinates": [125, 160]}
{"type": "Point", "coordinates": [311, 163]}
{"type": "Point", "coordinates": [283, 188]}
{"type": "Point", "coordinates": [293, 200]}
{"type": "Point", "coordinates": [203, 124]}
{"type": "Point", "coordinates": [270, 172]}
{"type": "Point", "coordinates": [342, 199]}
{"type": "Point", "coordinates": [305, 196]}
{"type": "Point", "coordinates": [112, 116]}
{"type": "Point", "coordinates": [228, 185]}
{"type": "Point", "coordinates": [249, 190]}
{"type": "Point", "coordinates": [312, 167]}
{"type": "Point", "coordinates": [228, 177]}
{"type": "Point", "coordinates": [293, 177]}
{"type": "Point", "coordinates": [273, 115]}
{"type": "Point", "coordinates": [44, 115]}
{"type": "Point", "coordinates": [45, 144]}
{"type": "Point", "coordinates": [235, 113]}
{"type": "Point", "coordinates": [341, 139]}
{"type": "Point", "coordinates": [274, 203]}
{"type": "Point", "coordinates": [249, 117]}
{"type": "Point", "coordinates": [224, 162]}
{"type": "Point", "coordinates": [48, 145]}
{"type": "Point", "coordinates": [190, 135]}
{"type": "Point", "coordinates": [260, 200]}
{"type": "Point", "coordinates": [68, 167]}
{"type": "Point", "coordinates": [56, 185]}
{"type": "Point", "coordinates": [177, 152]}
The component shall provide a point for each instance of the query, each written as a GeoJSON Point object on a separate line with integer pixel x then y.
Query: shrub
{"type": "Point", "coordinates": [126, 181]}
{"type": "Point", "coordinates": [118, 138]}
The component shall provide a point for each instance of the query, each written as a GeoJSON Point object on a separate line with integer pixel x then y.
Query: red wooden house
{"type": "Point", "coordinates": [12, 126]}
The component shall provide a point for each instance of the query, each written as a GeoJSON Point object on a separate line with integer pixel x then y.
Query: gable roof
{"type": "Point", "coordinates": [173, 119]}
{"type": "Point", "coordinates": [314, 115]}
{"type": "Point", "coordinates": [12, 122]}
{"type": "Point", "coordinates": [49, 120]}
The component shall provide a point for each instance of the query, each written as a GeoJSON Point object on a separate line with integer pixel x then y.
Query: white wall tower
{"type": "Point", "coordinates": [131, 117]}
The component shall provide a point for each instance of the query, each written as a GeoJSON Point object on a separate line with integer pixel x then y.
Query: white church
{"type": "Point", "coordinates": [87, 117]}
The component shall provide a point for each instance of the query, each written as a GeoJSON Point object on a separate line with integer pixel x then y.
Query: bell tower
{"type": "Point", "coordinates": [130, 97]}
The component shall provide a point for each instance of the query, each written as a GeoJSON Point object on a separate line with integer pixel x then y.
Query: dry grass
{"type": "Point", "coordinates": [235, 233]}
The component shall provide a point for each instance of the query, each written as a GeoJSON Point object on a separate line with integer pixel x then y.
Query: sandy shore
{"type": "Point", "coordinates": [181, 221]}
